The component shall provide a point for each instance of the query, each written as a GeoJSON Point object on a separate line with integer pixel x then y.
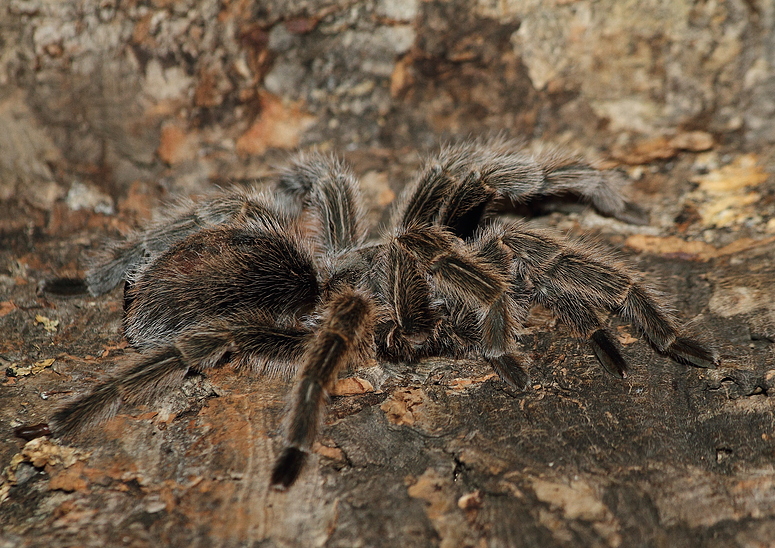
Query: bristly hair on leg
{"type": "Point", "coordinates": [141, 382]}
{"type": "Point", "coordinates": [326, 188]}
{"type": "Point", "coordinates": [344, 339]}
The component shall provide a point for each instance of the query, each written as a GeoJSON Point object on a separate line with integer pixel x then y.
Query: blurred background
{"type": "Point", "coordinates": [103, 103]}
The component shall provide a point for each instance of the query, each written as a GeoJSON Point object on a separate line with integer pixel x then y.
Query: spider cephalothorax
{"type": "Point", "coordinates": [289, 282]}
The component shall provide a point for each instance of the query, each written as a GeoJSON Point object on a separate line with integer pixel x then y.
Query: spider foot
{"type": "Point", "coordinates": [632, 214]}
{"type": "Point", "coordinates": [510, 371]}
{"type": "Point", "coordinates": [287, 468]}
{"type": "Point", "coordinates": [690, 352]}
{"type": "Point", "coordinates": [64, 287]}
{"type": "Point", "coordinates": [607, 353]}
{"type": "Point", "coordinates": [30, 432]}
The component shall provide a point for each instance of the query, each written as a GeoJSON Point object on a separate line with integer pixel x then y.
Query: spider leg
{"type": "Point", "coordinates": [343, 338]}
{"type": "Point", "coordinates": [140, 382]}
{"type": "Point", "coordinates": [564, 294]}
{"type": "Point", "coordinates": [521, 176]}
{"type": "Point", "coordinates": [420, 202]}
{"type": "Point", "coordinates": [477, 277]}
{"type": "Point", "coordinates": [583, 320]}
{"type": "Point", "coordinates": [326, 187]}
{"type": "Point", "coordinates": [456, 188]}
{"type": "Point", "coordinates": [253, 339]}
{"type": "Point", "coordinates": [502, 321]}
{"type": "Point", "coordinates": [449, 192]}
{"type": "Point", "coordinates": [607, 353]}
{"type": "Point", "coordinates": [409, 317]}
{"type": "Point", "coordinates": [268, 348]}
{"type": "Point", "coordinates": [641, 307]}
{"type": "Point", "coordinates": [499, 332]}
{"type": "Point", "coordinates": [467, 206]}
{"type": "Point", "coordinates": [457, 270]}
{"type": "Point", "coordinates": [576, 280]}
{"type": "Point", "coordinates": [119, 260]}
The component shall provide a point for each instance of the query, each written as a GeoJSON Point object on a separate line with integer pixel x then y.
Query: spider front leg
{"type": "Point", "coordinates": [499, 335]}
{"type": "Point", "coordinates": [522, 177]}
{"type": "Point", "coordinates": [408, 317]}
{"type": "Point", "coordinates": [457, 188]}
{"type": "Point", "coordinates": [583, 320]}
{"type": "Point", "coordinates": [344, 338]}
{"type": "Point", "coordinates": [576, 281]}
{"type": "Point", "coordinates": [642, 308]}
{"type": "Point", "coordinates": [326, 188]}
{"type": "Point", "coordinates": [503, 319]}
{"type": "Point", "coordinates": [476, 277]}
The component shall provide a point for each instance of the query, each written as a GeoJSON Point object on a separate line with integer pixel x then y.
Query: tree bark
{"type": "Point", "coordinates": [109, 110]}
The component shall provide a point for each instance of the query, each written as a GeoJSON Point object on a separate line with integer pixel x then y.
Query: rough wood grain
{"type": "Point", "coordinates": [110, 109]}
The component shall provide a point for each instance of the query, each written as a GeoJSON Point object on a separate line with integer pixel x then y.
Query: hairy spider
{"type": "Point", "coordinates": [288, 282]}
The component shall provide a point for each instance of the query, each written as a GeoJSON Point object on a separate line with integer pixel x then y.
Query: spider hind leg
{"type": "Point", "coordinates": [252, 339]}
{"type": "Point", "coordinates": [510, 370]}
{"type": "Point", "coordinates": [577, 281]}
{"type": "Point", "coordinates": [64, 287]}
{"type": "Point", "coordinates": [690, 352]}
{"type": "Point", "coordinates": [408, 318]}
{"type": "Point", "coordinates": [139, 383]}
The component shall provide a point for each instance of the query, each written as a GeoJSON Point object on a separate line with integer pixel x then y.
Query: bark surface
{"type": "Point", "coordinates": [109, 109]}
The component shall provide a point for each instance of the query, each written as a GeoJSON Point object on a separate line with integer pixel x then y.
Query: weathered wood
{"type": "Point", "coordinates": [109, 110]}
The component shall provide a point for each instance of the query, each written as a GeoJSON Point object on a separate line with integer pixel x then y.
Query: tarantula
{"type": "Point", "coordinates": [289, 282]}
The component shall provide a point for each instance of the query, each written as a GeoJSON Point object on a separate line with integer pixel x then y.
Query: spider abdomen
{"type": "Point", "coordinates": [213, 273]}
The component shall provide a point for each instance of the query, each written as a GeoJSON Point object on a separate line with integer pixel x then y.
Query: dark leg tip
{"type": "Point", "coordinates": [633, 214]}
{"type": "Point", "coordinates": [64, 287]}
{"type": "Point", "coordinates": [691, 352]}
{"type": "Point", "coordinates": [287, 468]}
{"type": "Point", "coordinates": [30, 432]}
{"type": "Point", "coordinates": [607, 353]}
{"type": "Point", "coordinates": [510, 371]}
